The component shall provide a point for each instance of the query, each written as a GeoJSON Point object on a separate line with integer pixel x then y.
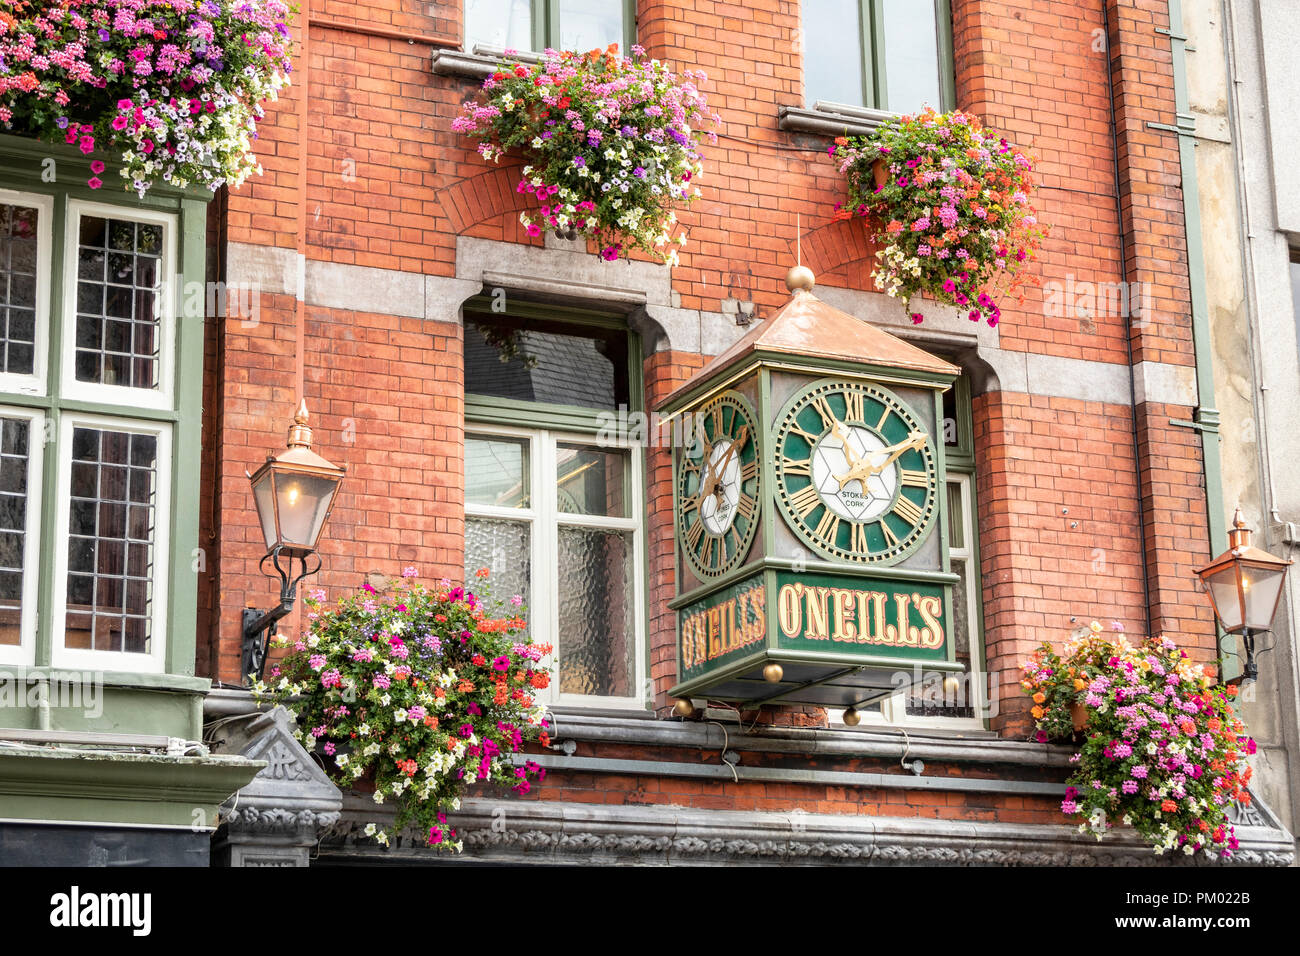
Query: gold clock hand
{"type": "Point", "coordinates": [721, 468]}
{"type": "Point", "coordinates": [850, 455]}
{"type": "Point", "coordinates": [866, 469]}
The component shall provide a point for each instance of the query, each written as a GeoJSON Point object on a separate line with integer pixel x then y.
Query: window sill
{"type": "Point", "coordinates": [833, 119]}
{"type": "Point", "coordinates": [480, 64]}
{"type": "Point", "coordinates": [140, 680]}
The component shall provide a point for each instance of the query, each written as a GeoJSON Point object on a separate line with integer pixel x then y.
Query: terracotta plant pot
{"type": "Point", "coordinates": [880, 172]}
{"type": "Point", "coordinates": [1079, 716]}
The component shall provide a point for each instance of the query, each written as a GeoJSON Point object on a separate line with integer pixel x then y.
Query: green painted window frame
{"type": "Point", "coordinates": [489, 411]}
{"type": "Point", "coordinates": [546, 25]}
{"type": "Point", "coordinates": [875, 87]}
{"type": "Point", "coordinates": [27, 166]}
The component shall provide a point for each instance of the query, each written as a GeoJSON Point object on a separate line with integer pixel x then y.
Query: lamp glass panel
{"type": "Point", "coordinates": [1223, 589]}
{"type": "Point", "coordinates": [262, 498]}
{"type": "Point", "coordinates": [304, 501]}
{"type": "Point", "coordinates": [1261, 587]}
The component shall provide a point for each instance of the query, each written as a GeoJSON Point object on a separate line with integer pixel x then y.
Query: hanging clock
{"type": "Point", "coordinates": [855, 472]}
{"type": "Point", "coordinates": [718, 487]}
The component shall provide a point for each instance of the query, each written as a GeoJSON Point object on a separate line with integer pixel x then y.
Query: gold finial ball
{"type": "Point", "coordinates": [683, 708]}
{"type": "Point", "coordinates": [951, 685]}
{"type": "Point", "coordinates": [800, 277]}
{"type": "Point", "coordinates": [773, 673]}
{"type": "Point", "coordinates": [852, 718]}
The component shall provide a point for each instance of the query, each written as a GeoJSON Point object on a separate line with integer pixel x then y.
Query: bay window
{"type": "Point", "coordinates": [91, 351]}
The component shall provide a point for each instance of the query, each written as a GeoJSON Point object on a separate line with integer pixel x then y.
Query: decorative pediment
{"type": "Point", "coordinates": [291, 779]}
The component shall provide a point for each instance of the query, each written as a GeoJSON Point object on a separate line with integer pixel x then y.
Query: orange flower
{"type": "Point", "coordinates": [1037, 712]}
{"type": "Point", "coordinates": [439, 693]}
{"type": "Point", "coordinates": [465, 686]}
{"type": "Point", "coordinates": [1040, 697]}
{"type": "Point", "coordinates": [841, 141]}
{"type": "Point", "coordinates": [1168, 806]}
{"type": "Point", "coordinates": [481, 573]}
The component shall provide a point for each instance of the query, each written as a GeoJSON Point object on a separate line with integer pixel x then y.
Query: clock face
{"type": "Point", "coordinates": [717, 487]}
{"type": "Point", "coordinates": [855, 470]}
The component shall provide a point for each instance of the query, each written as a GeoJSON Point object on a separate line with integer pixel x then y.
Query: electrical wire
{"type": "Point", "coordinates": [726, 742]}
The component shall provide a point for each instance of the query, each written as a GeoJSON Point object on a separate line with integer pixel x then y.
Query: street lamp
{"type": "Point", "coordinates": [294, 493]}
{"type": "Point", "coordinates": [1245, 585]}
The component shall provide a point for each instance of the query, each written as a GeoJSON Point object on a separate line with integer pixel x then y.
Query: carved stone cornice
{"type": "Point", "coordinates": [284, 820]}
{"type": "Point", "coordinates": [534, 831]}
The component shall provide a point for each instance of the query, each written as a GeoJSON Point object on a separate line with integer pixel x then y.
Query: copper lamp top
{"type": "Point", "coordinates": [300, 431]}
{"type": "Point", "coordinates": [298, 455]}
{"type": "Point", "coordinates": [1240, 548]}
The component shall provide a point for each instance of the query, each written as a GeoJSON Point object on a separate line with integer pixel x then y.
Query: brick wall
{"type": "Point", "coordinates": [389, 186]}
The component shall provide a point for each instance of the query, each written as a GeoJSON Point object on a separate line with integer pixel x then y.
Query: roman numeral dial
{"type": "Point", "coordinates": [856, 475]}
{"type": "Point", "coordinates": [719, 471]}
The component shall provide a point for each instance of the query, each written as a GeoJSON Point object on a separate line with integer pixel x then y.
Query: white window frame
{"type": "Point", "coordinates": [893, 709]}
{"type": "Point", "coordinates": [153, 662]}
{"type": "Point", "coordinates": [545, 520]}
{"type": "Point", "coordinates": [24, 653]}
{"type": "Point", "coordinates": [35, 384]}
{"type": "Point", "coordinates": [161, 397]}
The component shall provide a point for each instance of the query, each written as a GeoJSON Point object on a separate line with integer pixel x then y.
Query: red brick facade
{"type": "Point", "coordinates": [1077, 519]}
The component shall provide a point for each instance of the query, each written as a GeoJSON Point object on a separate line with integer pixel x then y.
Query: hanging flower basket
{"type": "Point", "coordinates": [169, 89]}
{"type": "Point", "coordinates": [1162, 750]}
{"type": "Point", "coordinates": [612, 145]}
{"type": "Point", "coordinates": [949, 203]}
{"type": "Point", "coordinates": [421, 692]}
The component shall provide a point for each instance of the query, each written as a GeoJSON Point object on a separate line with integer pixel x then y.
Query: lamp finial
{"type": "Point", "coordinates": [300, 431]}
{"type": "Point", "coordinates": [1239, 536]}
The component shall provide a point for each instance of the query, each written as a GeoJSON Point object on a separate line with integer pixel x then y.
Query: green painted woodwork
{"type": "Point", "coordinates": [119, 788]}
{"type": "Point", "coordinates": [167, 704]}
{"type": "Point", "coordinates": [1206, 414]}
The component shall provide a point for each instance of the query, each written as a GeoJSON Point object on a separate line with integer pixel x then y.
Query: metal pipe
{"type": "Point", "coordinates": [1128, 324]}
{"type": "Point", "coordinates": [829, 778]}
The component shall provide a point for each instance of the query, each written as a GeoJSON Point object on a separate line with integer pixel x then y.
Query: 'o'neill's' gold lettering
{"type": "Point", "coordinates": [714, 632]}
{"type": "Point", "coordinates": [858, 616]}
{"type": "Point", "coordinates": [816, 613]}
{"type": "Point", "coordinates": [845, 626]}
{"type": "Point", "coordinates": [930, 608]}
{"type": "Point", "coordinates": [787, 610]}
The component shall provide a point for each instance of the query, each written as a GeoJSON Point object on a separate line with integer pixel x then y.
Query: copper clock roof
{"type": "Point", "coordinates": [807, 326]}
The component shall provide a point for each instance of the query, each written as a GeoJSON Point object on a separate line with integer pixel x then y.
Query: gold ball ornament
{"type": "Point", "coordinates": [852, 718]}
{"type": "Point", "coordinates": [683, 708]}
{"type": "Point", "coordinates": [773, 673]}
{"type": "Point", "coordinates": [800, 278]}
{"type": "Point", "coordinates": [951, 685]}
